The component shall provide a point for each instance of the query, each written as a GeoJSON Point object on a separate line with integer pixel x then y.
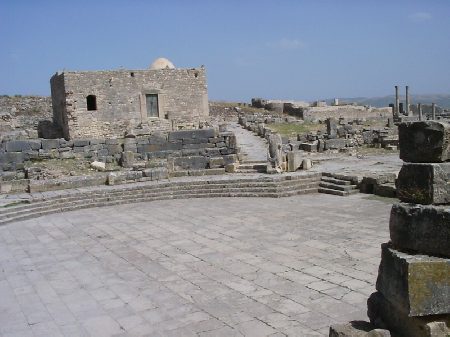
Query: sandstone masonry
{"type": "Point", "coordinates": [107, 103]}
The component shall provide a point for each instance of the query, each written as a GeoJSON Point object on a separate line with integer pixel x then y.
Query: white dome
{"type": "Point", "coordinates": [161, 63]}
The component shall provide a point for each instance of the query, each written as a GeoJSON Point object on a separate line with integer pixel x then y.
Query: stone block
{"type": "Point", "coordinates": [96, 141]}
{"type": "Point", "coordinates": [130, 145]}
{"type": "Point", "coordinates": [127, 159]}
{"type": "Point", "coordinates": [11, 158]}
{"type": "Point", "coordinates": [65, 143]}
{"type": "Point", "coordinates": [386, 315]}
{"type": "Point", "coordinates": [193, 134]}
{"type": "Point", "coordinates": [132, 175]}
{"type": "Point", "coordinates": [158, 138]}
{"type": "Point", "coordinates": [212, 152]}
{"type": "Point", "coordinates": [159, 173]}
{"type": "Point", "coordinates": [102, 152]}
{"type": "Point", "coordinates": [49, 144]}
{"type": "Point", "coordinates": [331, 127]}
{"type": "Point", "coordinates": [309, 147]}
{"type": "Point", "coordinates": [191, 152]}
{"type": "Point", "coordinates": [216, 162]}
{"type": "Point", "coordinates": [112, 141]}
{"type": "Point", "coordinates": [197, 145]}
{"type": "Point", "coordinates": [231, 168]}
{"type": "Point", "coordinates": [306, 164]}
{"type": "Point", "coordinates": [22, 145]}
{"type": "Point", "coordinates": [80, 142]}
{"type": "Point", "coordinates": [66, 155]}
{"type": "Point", "coordinates": [80, 149]}
{"type": "Point", "coordinates": [385, 190]}
{"type": "Point", "coordinates": [230, 159]}
{"type": "Point", "coordinates": [422, 229]}
{"type": "Point", "coordinates": [424, 183]}
{"type": "Point", "coordinates": [424, 142]}
{"type": "Point", "coordinates": [420, 284]}
{"type": "Point", "coordinates": [335, 144]}
{"type": "Point", "coordinates": [67, 183]}
{"type": "Point", "coordinates": [113, 149]}
{"type": "Point", "coordinates": [190, 163]}
{"type": "Point", "coordinates": [294, 161]}
{"type": "Point", "coordinates": [357, 329]}
{"type": "Point", "coordinates": [195, 140]}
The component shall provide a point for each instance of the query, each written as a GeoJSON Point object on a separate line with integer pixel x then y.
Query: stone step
{"type": "Point", "coordinates": [335, 181]}
{"type": "Point", "coordinates": [251, 167]}
{"type": "Point", "coordinates": [352, 179]}
{"type": "Point", "coordinates": [84, 199]}
{"type": "Point", "coordinates": [337, 187]}
{"type": "Point", "coordinates": [107, 201]}
{"type": "Point", "coordinates": [177, 188]}
{"type": "Point", "coordinates": [337, 192]}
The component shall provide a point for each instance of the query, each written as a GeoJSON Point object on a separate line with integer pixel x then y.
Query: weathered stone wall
{"type": "Point", "coordinates": [120, 99]}
{"type": "Point", "coordinates": [346, 111]}
{"type": "Point", "coordinates": [185, 149]}
{"type": "Point", "coordinates": [20, 115]}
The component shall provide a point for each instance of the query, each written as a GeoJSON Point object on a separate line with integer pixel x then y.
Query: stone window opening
{"type": "Point", "coordinates": [132, 74]}
{"type": "Point", "coordinates": [91, 102]}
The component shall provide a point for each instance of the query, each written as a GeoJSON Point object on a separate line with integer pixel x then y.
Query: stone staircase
{"type": "Point", "coordinates": [204, 187]}
{"type": "Point", "coordinates": [336, 184]}
{"type": "Point", "coordinates": [252, 167]}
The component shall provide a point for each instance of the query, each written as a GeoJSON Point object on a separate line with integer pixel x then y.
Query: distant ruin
{"type": "Point", "coordinates": [319, 111]}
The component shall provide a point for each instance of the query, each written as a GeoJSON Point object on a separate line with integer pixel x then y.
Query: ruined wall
{"type": "Point", "coordinates": [20, 115]}
{"type": "Point", "coordinates": [186, 149]}
{"type": "Point", "coordinates": [346, 111]}
{"type": "Point", "coordinates": [120, 99]}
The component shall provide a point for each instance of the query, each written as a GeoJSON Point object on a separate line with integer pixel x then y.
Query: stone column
{"type": "Point", "coordinates": [414, 274]}
{"type": "Point", "coordinates": [397, 102]}
{"type": "Point", "coordinates": [412, 297]}
{"type": "Point", "coordinates": [407, 101]}
{"type": "Point", "coordinates": [419, 108]}
{"type": "Point", "coordinates": [433, 111]}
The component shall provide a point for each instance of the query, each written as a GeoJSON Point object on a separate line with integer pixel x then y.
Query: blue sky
{"type": "Point", "coordinates": [277, 49]}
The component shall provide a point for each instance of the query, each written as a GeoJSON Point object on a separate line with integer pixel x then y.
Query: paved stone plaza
{"type": "Point", "coordinates": [199, 267]}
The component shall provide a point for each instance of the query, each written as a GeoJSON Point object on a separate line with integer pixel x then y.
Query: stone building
{"type": "Point", "coordinates": [107, 103]}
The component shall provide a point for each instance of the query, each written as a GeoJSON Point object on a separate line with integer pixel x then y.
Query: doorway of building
{"type": "Point", "coordinates": [152, 105]}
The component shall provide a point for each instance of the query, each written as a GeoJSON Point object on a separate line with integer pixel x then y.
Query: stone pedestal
{"type": "Point", "coordinates": [413, 285]}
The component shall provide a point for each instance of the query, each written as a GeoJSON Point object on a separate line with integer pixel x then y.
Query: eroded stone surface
{"type": "Point", "coordinates": [423, 229]}
{"type": "Point", "coordinates": [424, 142]}
{"type": "Point", "coordinates": [419, 284]}
{"type": "Point", "coordinates": [383, 313]}
{"type": "Point", "coordinates": [424, 183]}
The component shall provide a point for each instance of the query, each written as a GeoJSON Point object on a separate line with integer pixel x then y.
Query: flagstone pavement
{"type": "Point", "coordinates": [198, 267]}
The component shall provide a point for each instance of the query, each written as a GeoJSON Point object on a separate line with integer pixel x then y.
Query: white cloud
{"type": "Point", "coordinates": [287, 44]}
{"type": "Point", "coordinates": [420, 17]}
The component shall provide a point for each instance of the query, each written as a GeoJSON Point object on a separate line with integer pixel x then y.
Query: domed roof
{"type": "Point", "coordinates": [161, 63]}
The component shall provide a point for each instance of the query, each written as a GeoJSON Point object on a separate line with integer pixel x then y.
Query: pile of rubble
{"type": "Point", "coordinates": [342, 134]}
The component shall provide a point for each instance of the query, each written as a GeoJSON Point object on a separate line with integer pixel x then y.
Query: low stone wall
{"type": "Point", "coordinates": [184, 150]}
{"type": "Point", "coordinates": [346, 111]}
